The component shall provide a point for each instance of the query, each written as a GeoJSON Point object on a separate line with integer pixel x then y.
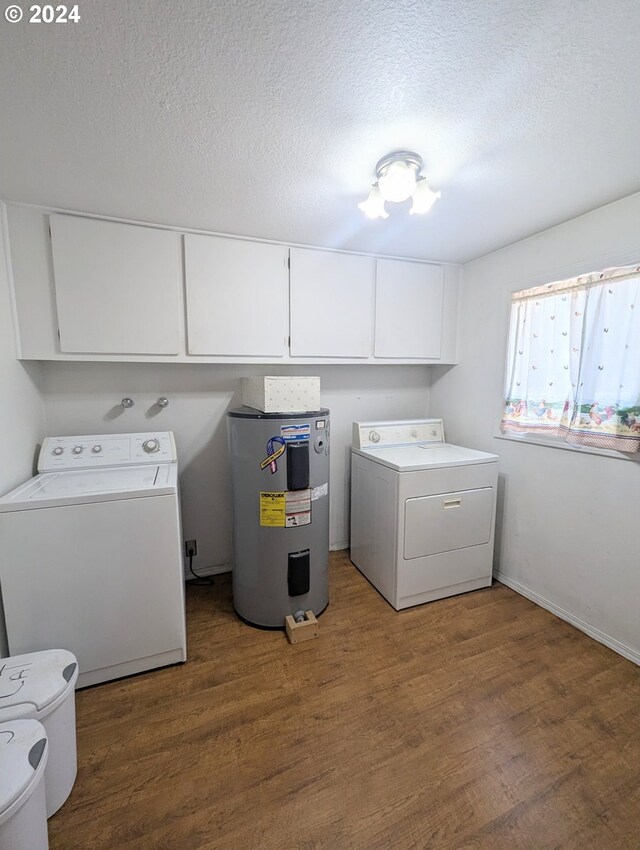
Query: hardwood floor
{"type": "Point", "coordinates": [480, 721]}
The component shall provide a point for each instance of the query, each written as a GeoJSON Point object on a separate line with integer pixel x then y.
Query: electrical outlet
{"type": "Point", "coordinates": [190, 547]}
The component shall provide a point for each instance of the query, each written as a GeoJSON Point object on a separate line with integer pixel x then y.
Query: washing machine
{"type": "Point", "coordinates": [422, 511]}
{"type": "Point", "coordinates": [92, 555]}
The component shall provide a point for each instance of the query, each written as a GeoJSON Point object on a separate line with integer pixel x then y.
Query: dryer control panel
{"type": "Point", "coordinates": [400, 432]}
{"type": "Point", "coordinates": [94, 451]}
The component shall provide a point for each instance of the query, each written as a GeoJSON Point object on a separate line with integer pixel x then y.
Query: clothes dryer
{"type": "Point", "coordinates": [422, 511]}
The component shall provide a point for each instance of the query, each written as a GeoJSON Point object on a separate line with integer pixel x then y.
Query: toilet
{"type": "Point", "coordinates": [41, 686]}
{"type": "Point", "coordinates": [23, 813]}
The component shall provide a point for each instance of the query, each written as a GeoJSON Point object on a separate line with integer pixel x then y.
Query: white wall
{"type": "Point", "coordinates": [21, 409]}
{"type": "Point", "coordinates": [84, 398]}
{"type": "Point", "coordinates": [569, 531]}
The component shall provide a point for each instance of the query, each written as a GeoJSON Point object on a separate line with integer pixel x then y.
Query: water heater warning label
{"type": "Point", "coordinates": [285, 510]}
{"type": "Point", "coordinates": [298, 508]}
{"type": "Point", "coordinates": [273, 509]}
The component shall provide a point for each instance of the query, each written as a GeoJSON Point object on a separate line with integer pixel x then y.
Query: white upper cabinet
{"type": "Point", "coordinates": [409, 310]}
{"type": "Point", "coordinates": [118, 287]}
{"type": "Point", "coordinates": [236, 297]}
{"type": "Point", "coordinates": [92, 289]}
{"type": "Point", "coordinates": [331, 300]}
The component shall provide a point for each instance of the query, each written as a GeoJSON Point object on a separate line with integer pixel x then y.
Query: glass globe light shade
{"type": "Point", "coordinates": [398, 183]}
{"type": "Point", "coordinates": [423, 198]}
{"type": "Point", "coordinates": [373, 207]}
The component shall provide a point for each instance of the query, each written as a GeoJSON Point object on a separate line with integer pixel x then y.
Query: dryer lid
{"type": "Point", "coordinates": [416, 457]}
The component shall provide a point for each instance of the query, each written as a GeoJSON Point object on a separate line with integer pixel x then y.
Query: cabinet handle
{"type": "Point", "coordinates": [451, 503]}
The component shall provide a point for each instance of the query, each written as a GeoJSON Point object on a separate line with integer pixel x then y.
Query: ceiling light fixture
{"type": "Point", "coordinates": [399, 178]}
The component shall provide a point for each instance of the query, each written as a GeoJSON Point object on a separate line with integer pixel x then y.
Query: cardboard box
{"type": "Point", "coordinates": [282, 394]}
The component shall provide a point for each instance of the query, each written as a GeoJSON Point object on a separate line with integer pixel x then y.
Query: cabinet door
{"type": "Point", "coordinates": [118, 287]}
{"type": "Point", "coordinates": [409, 299]}
{"type": "Point", "coordinates": [236, 297]}
{"type": "Point", "coordinates": [331, 304]}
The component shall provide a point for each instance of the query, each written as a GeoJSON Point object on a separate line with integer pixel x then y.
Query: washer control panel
{"type": "Point", "coordinates": [401, 432]}
{"type": "Point", "coordinates": [97, 450]}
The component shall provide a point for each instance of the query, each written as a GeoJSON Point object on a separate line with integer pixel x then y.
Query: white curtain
{"type": "Point", "coordinates": [573, 368]}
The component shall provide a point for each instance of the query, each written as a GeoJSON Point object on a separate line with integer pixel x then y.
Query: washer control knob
{"type": "Point", "coordinates": [77, 450]}
{"type": "Point", "coordinates": [96, 449]}
{"type": "Point", "coordinates": [151, 446]}
{"type": "Point", "coordinates": [58, 451]}
{"type": "Point", "coordinates": [374, 436]}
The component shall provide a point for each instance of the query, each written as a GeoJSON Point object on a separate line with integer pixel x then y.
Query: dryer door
{"type": "Point", "coordinates": [447, 521]}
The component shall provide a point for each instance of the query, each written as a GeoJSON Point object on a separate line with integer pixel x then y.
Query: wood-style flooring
{"type": "Point", "coordinates": [480, 721]}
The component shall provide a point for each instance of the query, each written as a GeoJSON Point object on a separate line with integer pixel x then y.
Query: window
{"type": "Point", "coordinates": [573, 361]}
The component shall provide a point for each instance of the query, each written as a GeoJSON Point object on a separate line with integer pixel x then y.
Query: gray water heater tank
{"type": "Point", "coordinates": [280, 483]}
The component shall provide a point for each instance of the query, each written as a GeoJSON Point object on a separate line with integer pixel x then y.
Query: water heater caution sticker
{"type": "Point", "coordinates": [298, 508]}
{"type": "Point", "coordinates": [273, 509]}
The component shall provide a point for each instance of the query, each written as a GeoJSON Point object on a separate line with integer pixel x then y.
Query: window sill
{"type": "Point", "coordinates": [552, 443]}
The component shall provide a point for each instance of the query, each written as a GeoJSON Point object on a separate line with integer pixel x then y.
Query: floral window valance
{"type": "Point", "coordinates": [573, 368]}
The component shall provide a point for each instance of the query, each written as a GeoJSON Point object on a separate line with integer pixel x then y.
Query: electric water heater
{"type": "Point", "coordinates": [280, 482]}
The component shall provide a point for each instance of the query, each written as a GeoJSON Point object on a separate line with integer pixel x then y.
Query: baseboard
{"type": "Point", "coordinates": [596, 634]}
{"type": "Point", "coordinates": [341, 544]}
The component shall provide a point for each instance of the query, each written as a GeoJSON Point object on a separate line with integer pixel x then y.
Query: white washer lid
{"type": "Point", "coordinates": [32, 684]}
{"type": "Point", "coordinates": [413, 458]}
{"type": "Point", "coordinates": [56, 485]}
{"type": "Point", "coordinates": [77, 487]}
{"type": "Point", "coordinates": [23, 755]}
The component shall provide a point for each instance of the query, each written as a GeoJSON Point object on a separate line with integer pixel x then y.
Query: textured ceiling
{"type": "Point", "coordinates": [266, 118]}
